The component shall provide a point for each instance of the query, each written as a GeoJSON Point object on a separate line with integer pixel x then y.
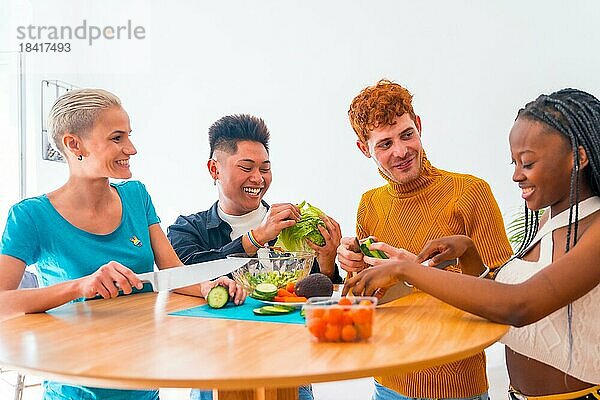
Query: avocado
{"type": "Point", "coordinates": [314, 285]}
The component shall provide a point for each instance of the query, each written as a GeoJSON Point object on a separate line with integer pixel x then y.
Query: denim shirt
{"type": "Point", "coordinates": [204, 236]}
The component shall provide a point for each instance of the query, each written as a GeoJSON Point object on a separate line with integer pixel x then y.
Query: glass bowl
{"type": "Point", "coordinates": [274, 267]}
{"type": "Point", "coordinates": [346, 319]}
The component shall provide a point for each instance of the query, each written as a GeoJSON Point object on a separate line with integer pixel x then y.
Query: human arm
{"type": "Point", "coordinates": [279, 216]}
{"type": "Point", "coordinates": [165, 257]}
{"type": "Point", "coordinates": [353, 260]}
{"type": "Point", "coordinates": [21, 246]}
{"type": "Point", "coordinates": [102, 282]}
{"type": "Point", "coordinates": [189, 235]}
{"type": "Point", "coordinates": [450, 247]}
{"type": "Point", "coordinates": [190, 239]}
{"type": "Point", "coordinates": [562, 282]}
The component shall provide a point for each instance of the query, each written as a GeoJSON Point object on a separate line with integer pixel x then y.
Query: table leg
{"type": "Point", "coordinates": [257, 394]}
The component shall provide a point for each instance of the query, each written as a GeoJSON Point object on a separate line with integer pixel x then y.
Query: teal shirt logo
{"type": "Point", "coordinates": [136, 242]}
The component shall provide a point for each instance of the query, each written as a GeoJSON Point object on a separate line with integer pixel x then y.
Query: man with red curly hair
{"type": "Point", "coordinates": [419, 203]}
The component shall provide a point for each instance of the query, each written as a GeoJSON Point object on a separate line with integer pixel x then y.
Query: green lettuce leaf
{"type": "Point", "coordinates": [292, 238]}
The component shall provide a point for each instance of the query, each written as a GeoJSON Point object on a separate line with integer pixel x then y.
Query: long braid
{"type": "Point", "coordinates": [531, 228]}
{"type": "Point", "coordinates": [532, 222]}
{"type": "Point", "coordinates": [576, 115]}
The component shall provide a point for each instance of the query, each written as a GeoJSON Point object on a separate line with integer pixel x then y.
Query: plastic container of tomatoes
{"type": "Point", "coordinates": [346, 319]}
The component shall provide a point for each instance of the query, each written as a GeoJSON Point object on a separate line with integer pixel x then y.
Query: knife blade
{"type": "Point", "coordinates": [186, 275]}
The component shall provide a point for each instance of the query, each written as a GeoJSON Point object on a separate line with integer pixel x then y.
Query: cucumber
{"type": "Point", "coordinates": [364, 247]}
{"type": "Point", "coordinates": [266, 289]}
{"type": "Point", "coordinates": [258, 296]}
{"type": "Point", "coordinates": [217, 297]}
{"type": "Point", "coordinates": [273, 310]}
{"type": "Point", "coordinates": [283, 307]}
{"type": "Point", "coordinates": [260, 311]}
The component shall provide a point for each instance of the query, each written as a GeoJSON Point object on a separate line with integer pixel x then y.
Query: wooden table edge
{"type": "Point", "coordinates": [242, 383]}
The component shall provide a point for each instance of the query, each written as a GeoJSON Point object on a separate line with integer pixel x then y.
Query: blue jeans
{"type": "Point", "coordinates": [383, 393]}
{"type": "Point", "coordinates": [304, 393]}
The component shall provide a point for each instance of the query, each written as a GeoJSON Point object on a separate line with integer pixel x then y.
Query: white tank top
{"type": "Point", "coordinates": [547, 340]}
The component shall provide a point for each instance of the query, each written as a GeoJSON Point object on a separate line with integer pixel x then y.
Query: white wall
{"type": "Point", "coordinates": [470, 64]}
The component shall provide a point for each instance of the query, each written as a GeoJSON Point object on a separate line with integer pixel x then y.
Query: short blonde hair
{"type": "Point", "coordinates": [76, 112]}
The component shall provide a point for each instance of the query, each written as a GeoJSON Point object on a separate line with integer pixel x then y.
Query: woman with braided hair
{"type": "Point", "coordinates": [550, 290]}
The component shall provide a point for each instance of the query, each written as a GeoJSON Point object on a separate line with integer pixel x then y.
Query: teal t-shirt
{"type": "Point", "coordinates": [37, 234]}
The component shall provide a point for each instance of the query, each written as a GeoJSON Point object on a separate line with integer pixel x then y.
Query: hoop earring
{"type": "Point", "coordinates": [80, 157]}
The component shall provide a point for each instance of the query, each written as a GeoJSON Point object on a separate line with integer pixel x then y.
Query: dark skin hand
{"type": "Point", "coordinates": [565, 280]}
{"type": "Point", "coordinates": [458, 246]}
{"type": "Point", "coordinates": [352, 259]}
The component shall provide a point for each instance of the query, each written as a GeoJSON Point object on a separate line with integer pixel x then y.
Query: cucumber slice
{"type": "Point", "coordinates": [272, 310]}
{"type": "Point", "coordinates": [258, 296]}
{"type": "Point", "coordinates": [283, 307]}
{"type": "Point", "coordinates": [266, 289]}
{"type": "Point", "coordinates": [277, 309]}
{"type": "Point", "coordinates": [217, 297]}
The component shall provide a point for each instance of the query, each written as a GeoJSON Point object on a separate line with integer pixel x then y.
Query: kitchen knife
{"type": "Point", "coordinates": [177, 277]}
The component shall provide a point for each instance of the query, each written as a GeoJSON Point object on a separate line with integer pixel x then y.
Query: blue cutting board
{"type": "Point", "coordinates": [242, 312]}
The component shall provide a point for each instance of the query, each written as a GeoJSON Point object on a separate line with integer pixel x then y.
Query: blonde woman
{"type": "Point", "coordinates": [90, 236]}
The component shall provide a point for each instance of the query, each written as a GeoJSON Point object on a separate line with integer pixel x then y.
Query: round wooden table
{"type": "Point", "coordinates": [131, 342]}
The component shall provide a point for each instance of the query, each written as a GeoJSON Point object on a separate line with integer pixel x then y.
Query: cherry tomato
{"type": "Point", "coordinates": [333, 333]}
{"type": "Point", "coordinates": [316, 327]}
{"type": "Point", "coordinates": [333, 315]}
{"type": "Point", "coordinates": [290, 287]}
{"type": "Point", "coordinates": [347, 318]}
{"type": "Point", "coordinates": [344, 301]}
{"type": "Point", "coordinates": [349, 333]}
{"type": "Point", "coordinates": [362, 315]}
{"type": "Point", "coordinates": [365, 330]}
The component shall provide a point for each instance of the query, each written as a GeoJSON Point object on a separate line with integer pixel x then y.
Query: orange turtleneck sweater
{"type": "Point", "coordinates": [437, 204]}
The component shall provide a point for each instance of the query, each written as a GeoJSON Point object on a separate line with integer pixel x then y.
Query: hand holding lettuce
{"type": "Point", "coordinates": [315, 232]}
{"type": "Point", "coordinates": [293, 237]}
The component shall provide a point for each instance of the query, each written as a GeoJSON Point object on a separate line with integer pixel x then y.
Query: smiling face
{"type": "Point", "coordinates": [243, 177]}
{"type": "Point", "coordinates": [543, 163]}
{"type": "Point", "coordinates": [107, 148]}
{"type": "Point", "coordinates": [396, 149]}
